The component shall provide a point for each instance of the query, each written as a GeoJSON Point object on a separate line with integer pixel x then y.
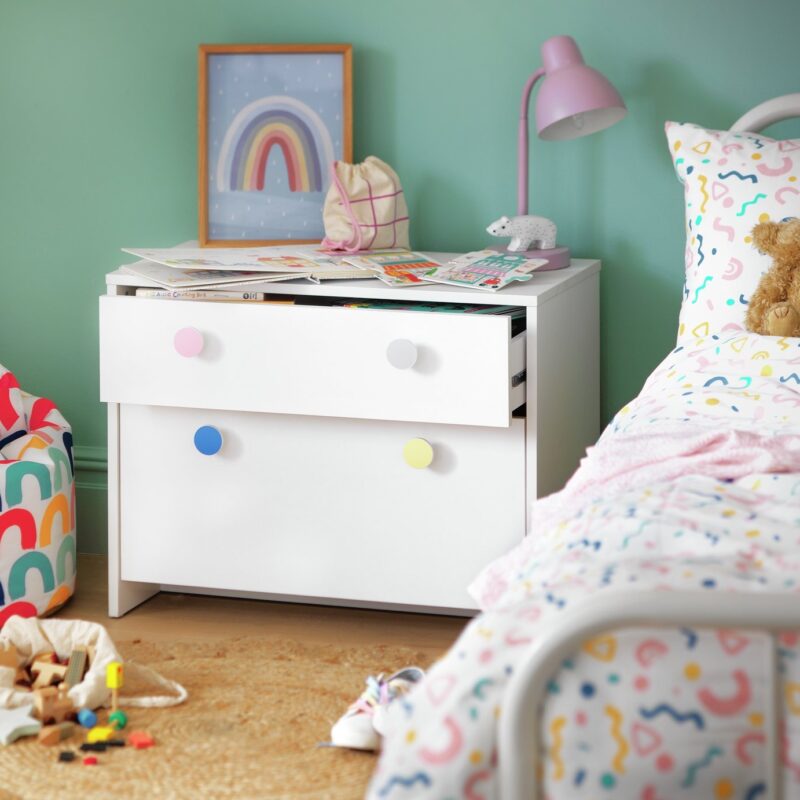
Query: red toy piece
{"type": "Point", "coordinates": [140, 740]}
{"type": "Point", "coordinates": [90, 761]}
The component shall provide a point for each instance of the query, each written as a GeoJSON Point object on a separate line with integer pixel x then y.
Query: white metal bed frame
{"type": "Point", "coordinates": [518, 735]}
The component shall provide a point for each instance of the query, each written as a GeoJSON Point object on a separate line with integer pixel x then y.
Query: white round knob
{"type": "Point", "coordinates": [402, 354]}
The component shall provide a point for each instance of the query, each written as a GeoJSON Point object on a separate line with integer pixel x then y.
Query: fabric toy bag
{"type": "Point", "coordinates": [365, 208]}
{"type": "Point", "coordinates": [62, 636]}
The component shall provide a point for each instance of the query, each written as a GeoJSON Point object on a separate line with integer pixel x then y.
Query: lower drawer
{"type": "Point", "coordinates": [316, 507]}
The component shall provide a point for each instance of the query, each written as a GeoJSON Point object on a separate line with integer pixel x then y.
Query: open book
{"type": "Point", "coordinates": [183, 278]}
{"type": "Point", "coordinates": [181, 267]}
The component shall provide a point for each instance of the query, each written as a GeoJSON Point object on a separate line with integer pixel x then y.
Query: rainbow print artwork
{"type": "Point", "coordinates": [282, 122]}
{"type": "Point", "coordinates": [275, 125]}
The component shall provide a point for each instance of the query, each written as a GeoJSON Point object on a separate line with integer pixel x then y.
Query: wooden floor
{"type": "Point", "coordinates": [175, 617]}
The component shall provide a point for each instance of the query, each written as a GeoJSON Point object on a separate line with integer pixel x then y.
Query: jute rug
{"type": "Point", "coordinates": [250, 729]}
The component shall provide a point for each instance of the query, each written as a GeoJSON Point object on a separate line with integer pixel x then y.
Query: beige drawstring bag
{"type": "Point", "coordinates": [31, 636]}
{"type": "Point", "coordinates": [365, 208]}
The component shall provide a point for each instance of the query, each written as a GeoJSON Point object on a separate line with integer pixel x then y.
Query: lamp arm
{"type": "Point", "coordinates": [522, 169]}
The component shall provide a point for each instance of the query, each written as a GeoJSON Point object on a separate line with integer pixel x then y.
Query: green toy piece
{"type": "Point", "coordinates": [119, 719]}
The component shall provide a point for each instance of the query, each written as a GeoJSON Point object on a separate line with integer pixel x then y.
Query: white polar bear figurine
{"type": "Point", "coordinates": [525, 232]}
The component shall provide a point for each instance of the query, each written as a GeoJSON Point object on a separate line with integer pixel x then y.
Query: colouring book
{"type": "Point", "coordinates": [394, 268]}
{"type": "Point", "coordinates": [255, 259]}
{"type": "Point", "coordinates": [222, 295]}
{"type": "Point", "coordinates": [485, 269]}
{"type": "Point", "coordinates": [198, 268]}
{"type": "Point", "coordinates": [307, 261]}
{"type": "Point", "coordinates": [180, 278]}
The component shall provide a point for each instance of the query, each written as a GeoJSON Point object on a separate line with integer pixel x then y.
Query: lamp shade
{"type": "Point", "coordinates": [574, 99]}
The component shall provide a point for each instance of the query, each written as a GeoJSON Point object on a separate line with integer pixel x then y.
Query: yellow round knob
{"type": "Point", "coordinates": [418, 453]}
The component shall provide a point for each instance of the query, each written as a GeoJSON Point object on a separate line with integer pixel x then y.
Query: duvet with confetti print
{"type": "Point", "coordinates": [640, 714]}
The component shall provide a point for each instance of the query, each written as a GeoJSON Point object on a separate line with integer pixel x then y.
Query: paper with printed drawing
{"type": "Point", "coordinates": [486, 269]}
{"type": "Point", "coordinates": [404, 268]}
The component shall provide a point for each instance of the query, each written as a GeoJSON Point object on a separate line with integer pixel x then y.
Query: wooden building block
{"type": "Point", "coordinates": [23, 677]}
{"type": "Point", "coordinates": [47, 673]}
{"type": "Point", "coordinates": [47, 655]}
{"type": "Point", "coordinates": [76, 668]}
{"type": "Point", "coordinates": [50, 705]}
{"type": "Point", "coordinates": [9, 657]}
{"type": "Point", "coordinates": [53, 734]}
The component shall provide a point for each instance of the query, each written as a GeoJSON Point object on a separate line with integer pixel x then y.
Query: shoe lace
{"type": "Point", "coordinates": [379, 692]}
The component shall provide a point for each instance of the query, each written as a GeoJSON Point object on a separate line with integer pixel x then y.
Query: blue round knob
{"type": "Point", "coordinates": [208, 440]}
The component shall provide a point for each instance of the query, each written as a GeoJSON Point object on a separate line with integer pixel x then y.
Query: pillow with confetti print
{"type": "Point", "coordinates": [733, 181]}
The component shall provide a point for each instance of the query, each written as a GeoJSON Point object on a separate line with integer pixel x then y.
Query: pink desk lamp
{"type": "Point", "coordinates": [574, 100]}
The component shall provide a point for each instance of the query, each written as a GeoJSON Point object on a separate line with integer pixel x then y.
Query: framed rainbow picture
{"type": "Point", "coordinates": [272, 120]}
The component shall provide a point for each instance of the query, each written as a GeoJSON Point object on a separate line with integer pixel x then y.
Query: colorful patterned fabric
{"type": "Point", "coordinates": [733, 181]}
{"type": "Point", "coordinates": [639, 714]}
{"type": "Point", "coordinates": [37, 504]}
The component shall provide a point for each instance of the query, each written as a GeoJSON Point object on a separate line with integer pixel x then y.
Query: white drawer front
{"type": "Point", "coordinates": [315, 507]}
{"type": "Point", "coordinates": [310, 360]}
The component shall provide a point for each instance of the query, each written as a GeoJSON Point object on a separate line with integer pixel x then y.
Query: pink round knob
{"type": "Point", "coordinates": [189, 342]}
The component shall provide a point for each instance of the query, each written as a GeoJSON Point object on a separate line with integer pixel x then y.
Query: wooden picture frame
{"type": "Point", "coordinates": [271, 120]}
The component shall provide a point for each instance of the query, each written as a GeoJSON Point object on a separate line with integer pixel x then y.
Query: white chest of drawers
{"type": "Point", "coordinates": [309, 496]}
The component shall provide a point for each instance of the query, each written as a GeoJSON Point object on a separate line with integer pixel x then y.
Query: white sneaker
{"type": "Point", "coordinates": [364, 723]}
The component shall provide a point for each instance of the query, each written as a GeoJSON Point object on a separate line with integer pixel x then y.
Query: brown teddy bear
{"type": "Point", "coordinates": [774, 308]}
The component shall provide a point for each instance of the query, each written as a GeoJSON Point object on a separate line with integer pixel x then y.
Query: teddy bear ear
{"type": "Point", "coordinates": [791, 228]}
{"type": "Point", "coordinates": [765, 236]}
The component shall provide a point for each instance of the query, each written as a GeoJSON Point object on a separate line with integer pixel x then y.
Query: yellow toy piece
{"type": "Point", "coordinates": [101, 733]}
{"type": "Point", "coordinates": [115, 677]}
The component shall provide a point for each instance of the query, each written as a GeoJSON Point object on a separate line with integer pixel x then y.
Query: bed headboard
{"type": "Point", "coordinates": [779, 108]}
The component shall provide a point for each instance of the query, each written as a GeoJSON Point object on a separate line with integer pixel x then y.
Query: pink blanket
{"type": "Point", "coordinates": [620, 462]}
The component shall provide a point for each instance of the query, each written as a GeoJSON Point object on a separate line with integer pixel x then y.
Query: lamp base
{"type": "Point", "coordinates": [557, 258]}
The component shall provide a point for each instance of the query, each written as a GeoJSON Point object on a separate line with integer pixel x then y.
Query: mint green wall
{"type": "Point", "coordinates": [98, 144]}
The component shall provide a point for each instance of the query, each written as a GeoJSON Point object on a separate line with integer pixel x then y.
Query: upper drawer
{"type": "Point", "coordinates": [310, 360]}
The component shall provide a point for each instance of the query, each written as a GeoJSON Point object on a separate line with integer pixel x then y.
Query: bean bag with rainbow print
{"type": "Point", "coordinates": [37, 504]}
